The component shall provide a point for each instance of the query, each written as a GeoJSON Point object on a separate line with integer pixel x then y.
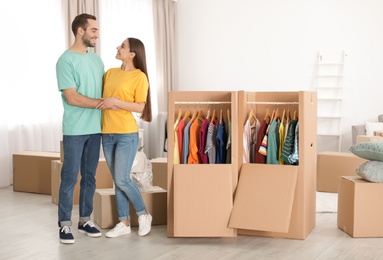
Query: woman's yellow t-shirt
{"type": "Point", "coordinates": [129, 86]}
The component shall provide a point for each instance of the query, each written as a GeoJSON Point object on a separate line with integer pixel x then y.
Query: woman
{"type": "Point", "coordinates": [125, 90]}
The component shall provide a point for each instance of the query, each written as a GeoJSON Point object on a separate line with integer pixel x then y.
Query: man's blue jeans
{"type": "Point", "coordinates": [81, 152]}
{"type": "Point", "coordinates": [120, 151]}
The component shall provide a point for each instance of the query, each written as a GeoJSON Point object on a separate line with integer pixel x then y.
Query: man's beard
{"type": "Point", "coordinates": [87, 42]}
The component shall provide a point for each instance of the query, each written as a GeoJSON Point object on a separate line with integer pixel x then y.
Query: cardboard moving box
{"type": "Point", "coordinates": [332, 165]}
{"type": "Point", "coordinates": [367, 138]}
{"type": "Point", "coordinates": [360, 213]}
{"type": "Point", "coordinates": [269, 200]}
{"type": "Point", "coordinates": [103, 180]}
{"type": "Point", "coordinates": [278, 200]}
{"type": "Point", "coordinates": [32, 171]}
{"type": "Point", "coordinates": [200, 196]}
{"type": "Point", "coordinates": [160, 172]}
{"type": "Point", "coordinates": [105, 209]}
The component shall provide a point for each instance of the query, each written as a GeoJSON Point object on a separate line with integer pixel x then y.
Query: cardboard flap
{"type": "Point", "coordinates": [264, 197]}
{"type": "Point", "coordinates": [203, 199]}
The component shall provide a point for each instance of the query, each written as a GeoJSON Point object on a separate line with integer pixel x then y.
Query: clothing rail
{"type": "Point", "coordinates": [201, 103]}
{"type": "Point", "coordinates": [229, 102]}
{"type": "Point", "coordinates": [271, 103]}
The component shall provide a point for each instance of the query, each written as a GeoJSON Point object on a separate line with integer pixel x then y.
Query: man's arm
{"type": "Point", "coordinates": [75, 99]}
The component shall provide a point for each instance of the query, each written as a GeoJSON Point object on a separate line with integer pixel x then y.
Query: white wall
{"type": "Point", "coordinates": [272, 45]}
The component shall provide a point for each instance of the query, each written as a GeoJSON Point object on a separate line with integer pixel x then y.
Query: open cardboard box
{"type": "Point", "coordinates": [248, 199]}
{"type": "Point", "coordinates": [200, 196]}
{"type": "Point", "coordinates": [280, 199]}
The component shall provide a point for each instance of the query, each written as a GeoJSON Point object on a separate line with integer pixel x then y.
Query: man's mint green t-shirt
{"type": "Point", "coordinates": [84, 72]}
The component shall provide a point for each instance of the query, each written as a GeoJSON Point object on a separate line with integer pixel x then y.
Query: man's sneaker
{"type": "Point", "coordinates": [89, 229]}
{"type": "Point", "coordinates": [119, 230]}
{"type": "Point", "coordinates": [144, 224]}
{"type": "Point", "coordinates": [66, 236]}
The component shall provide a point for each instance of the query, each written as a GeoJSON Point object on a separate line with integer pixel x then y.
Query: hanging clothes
{"type": "Point", "coordinates": [185, 144]}
{"type": "Point", "coordinates": [221, 143]}
{"type": "Point", "coordinates": [273, 143]}
{"type": "Point", "coordinates": [176, 150]}
{"type": "Point", "coordinates": [202, 141]}
{"type": "Point", "coordinates": [228, 143]}
{"type": "Point", "coordinates": [194, 132]}
{"type": "Point", "coordinates": [260, 158]}
{"type": "Point", "coordinates": [180, 133]}
{"type": "Point", "coordinates": [281, 132]}
{"type": "Point", "coordinates": [288, 146]}
{"type": "Point", "coordinates": [246, 141]}
{"type": "Point", "coordinates": [294, 157]}
{"type": "Point", "coordinates": [210, 148]}
{"type": "Point", "coordinates": [254, 138]}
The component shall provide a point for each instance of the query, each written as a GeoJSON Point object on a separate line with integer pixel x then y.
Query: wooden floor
{"type": "Point", "coordinates": [28, 226]}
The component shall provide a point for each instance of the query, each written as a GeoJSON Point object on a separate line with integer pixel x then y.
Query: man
{"type": "Point", "coordinates": [79, 76]}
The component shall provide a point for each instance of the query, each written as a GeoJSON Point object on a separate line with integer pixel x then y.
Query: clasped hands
{"type": "Point", "coordinates": [109, 103]}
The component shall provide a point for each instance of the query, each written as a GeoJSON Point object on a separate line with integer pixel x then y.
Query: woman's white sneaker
{"type": "Point", "coordinates": [144, 224]}
{"type": "Point", "coordinates": [119, 230]}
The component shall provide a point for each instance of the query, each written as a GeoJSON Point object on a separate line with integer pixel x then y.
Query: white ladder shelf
{"type": "Point", "coordinates": [329, 87]}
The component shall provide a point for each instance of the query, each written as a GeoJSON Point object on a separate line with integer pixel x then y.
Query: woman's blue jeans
{"type": "Point", "coordinates": [81, 152]}
{"type": "Point", "coordinates": [120, 151]}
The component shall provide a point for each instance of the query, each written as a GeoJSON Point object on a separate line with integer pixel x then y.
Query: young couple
{"type": "Point", "coordinates": [99, 106]}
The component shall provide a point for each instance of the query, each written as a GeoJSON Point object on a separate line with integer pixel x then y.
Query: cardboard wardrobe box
{"type": "Point", "coordinates": [103, 180]}
{"type": "Point", "coordinates": [159, 171]}
{"type": "Point", "coordinates": [105, 210]}
{"type": "Point", "coordinates": [200, 196]}
{"type": "Point", "coordinates": [360, 213]}
{"type": "Point", "coordinates": [278, 200]}
{"type": "Point", "coordinates": [207, 191]}
{"type": "Point", "coordinates": [32, 171]}
{"type": "Point", "coordinates": [332, 165]}
{"type": "Point", "coordinates": [367, 138]}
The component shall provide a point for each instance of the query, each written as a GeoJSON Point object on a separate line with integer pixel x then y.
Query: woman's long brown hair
{"type": "Point", "coordinates": [139, 61]}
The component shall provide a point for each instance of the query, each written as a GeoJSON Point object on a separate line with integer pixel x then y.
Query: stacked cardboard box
{"type": "Point", "coordinates": [367, 138]}
{"type": "Point", "coordinates": [159, 171]}
{"type": "Point", "coordinates": [359, 207]}
{"type": "Point", "coordinates": [32, 171]}
{"type": "Point", "coordinates": [105, 209]}
{"type": "Point", "coordinates": [332, 165]}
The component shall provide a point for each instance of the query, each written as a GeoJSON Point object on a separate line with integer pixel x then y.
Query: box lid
{"type": "Point", "coordinates": [160, 159]}
{"type": "Point", "coordinates": [38, 153]}
{"type": "Point", "coordinates": [264, 197]}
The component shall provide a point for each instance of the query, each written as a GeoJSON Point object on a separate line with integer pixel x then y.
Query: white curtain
{"type": "Point", "coordinates": [165, 17]}
{"type": "Point", "coordinates": [165, 20]}
{"type": "Point", "coordinates": [31, 108]}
